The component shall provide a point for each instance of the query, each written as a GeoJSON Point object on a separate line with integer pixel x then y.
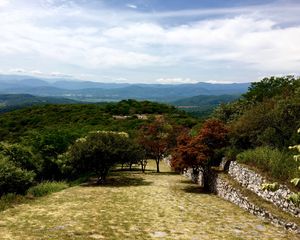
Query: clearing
{"type": "Point", "coordinates": [135, 206]}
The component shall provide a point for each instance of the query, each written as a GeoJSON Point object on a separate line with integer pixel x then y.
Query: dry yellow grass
{"type": "Point", "coordinates": [134, 206]}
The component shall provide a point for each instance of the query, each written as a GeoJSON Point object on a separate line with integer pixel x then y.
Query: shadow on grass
{"type": "Point", "coordinates": [186, 181]}
{"type": "Point", "coordinates": [195, 189]}
{"type": "Point", "coordinates": [118, 181]}
{"type": "Point", "coordinates": [161, 173]}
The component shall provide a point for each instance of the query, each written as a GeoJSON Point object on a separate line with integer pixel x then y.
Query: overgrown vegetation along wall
{"type": "Point", "coordinates": [225, 190]}
{"type": "Point", "coordinates": [253, 181]}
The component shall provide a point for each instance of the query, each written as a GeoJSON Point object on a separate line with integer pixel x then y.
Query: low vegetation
{"type": "Point", "coordinates": [276, 164]}
{"type": "Point", "coordinates": [47, 187]}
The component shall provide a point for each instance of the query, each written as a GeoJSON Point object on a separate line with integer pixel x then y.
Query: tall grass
{"type": "Point", "coordinates": [276, 164]}
{"type": "Point", "coordinates": [10, 199]}
{"type": "Point", "coordinates": [46, 188]}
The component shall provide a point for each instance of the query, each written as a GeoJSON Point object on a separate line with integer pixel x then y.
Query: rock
{"type": "Point", "coordinates": [158, 234]}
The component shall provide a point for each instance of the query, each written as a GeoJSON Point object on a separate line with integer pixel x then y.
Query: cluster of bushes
{"type": "Point", "coordinates": [262, 125]}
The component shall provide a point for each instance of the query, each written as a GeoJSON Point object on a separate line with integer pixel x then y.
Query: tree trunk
{"type": "Point", "coordinates": [157, 165]}
{"type": "Point", "coordinates": [130, 166]}
{"type": "Point", "coordinates": [206, 178]}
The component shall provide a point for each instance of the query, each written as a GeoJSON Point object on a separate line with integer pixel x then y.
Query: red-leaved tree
{"type": "Point", "coordinates": [197, 152]}
{"type": "Point", "coordinates": [155, 138]}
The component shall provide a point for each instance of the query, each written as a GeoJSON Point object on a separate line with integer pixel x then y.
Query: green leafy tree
{"type": "Point", "coordinates": [98, 152]}
{"type": "Point", "coordinates": [271, 87]}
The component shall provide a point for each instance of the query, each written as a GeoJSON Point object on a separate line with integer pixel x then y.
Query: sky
{"type": "Point", "coordinates": [150, 41]}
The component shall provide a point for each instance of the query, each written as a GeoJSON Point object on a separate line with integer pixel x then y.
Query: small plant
{"type": "Point", "coordinates": [296, 181]}
{"type": "Point", "coordinates": [294, 198]}
{"type": "Point", "coordinates": [270, 186]}
{"type": "Point", "coordinates": [46, 188]}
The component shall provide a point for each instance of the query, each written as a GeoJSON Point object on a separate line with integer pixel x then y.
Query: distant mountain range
{"type": "Point", "coordinates": [96, 92]}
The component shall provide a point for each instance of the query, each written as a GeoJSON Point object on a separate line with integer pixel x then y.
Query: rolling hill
{"type": "Point", "coordinates": [96, 91]}
{"type": "Point", "coordinates": [9, 102]}
{"type": "Point", "coordinates": [203, 105]}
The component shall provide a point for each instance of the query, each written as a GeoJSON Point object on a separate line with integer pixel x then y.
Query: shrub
{"type": "Point", "coordinates": [13, 179]}
{"type": "Point", "coordinates": [276, 164]}
{"type": "Point", "coordinates": [270, 186]}
{"type": "Point", "coordinates": [46, 188]}
{"type": "Point", "coordinates": [294, 198]}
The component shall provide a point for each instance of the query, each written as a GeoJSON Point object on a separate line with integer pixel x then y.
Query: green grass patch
{"type": "Point", "coordinates": [274, 163]}
{"type": "Point", "coordinates": [46, 188]}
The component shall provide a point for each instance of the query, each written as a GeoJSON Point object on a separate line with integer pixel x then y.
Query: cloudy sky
{"type": "Point", "coordinates": [150, 41]}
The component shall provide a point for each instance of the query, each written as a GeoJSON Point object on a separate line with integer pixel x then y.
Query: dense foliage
{"type": "Point", "coordinates": [203, 105]}
{"type": "Point", "coordinates": [97, 153]}
{"type": "Point", "coordinates": [14, 179]}
{"type": "Point", "coordinates": [264, 122]}
{"type": "Point", "coordinates": [199, 152]}
{"type": "Point", "coordinates": [259, 128]}
{"type": "Point", "coordinates": [32, 140]}
{"type": "Point", "coordinates": [57, 142]}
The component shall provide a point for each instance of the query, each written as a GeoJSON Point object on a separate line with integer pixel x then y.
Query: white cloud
{"type": "Point", "coordinates": [4, 3]}
{"type": "Point", "coordinates": [131, 6]}
{"type": "Point", "coordinates": [17, 70]}
{"type": "Point", "coordinates": [257, 39]}
{"type": "Point", "coordinates": [39, 73]}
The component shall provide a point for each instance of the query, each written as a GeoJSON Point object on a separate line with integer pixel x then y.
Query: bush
{"type": "Point", "coordinates": [46, 188]}
{"type": "Point", "coordinates": [13, 179]}
{"type": "Point", "coordinates": [276, 164]}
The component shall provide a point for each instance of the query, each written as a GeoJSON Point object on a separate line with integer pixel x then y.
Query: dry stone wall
{"type": "Point", "coordinates": [225, 190]}
{"type": "Point", "coordinates": [253, 181]}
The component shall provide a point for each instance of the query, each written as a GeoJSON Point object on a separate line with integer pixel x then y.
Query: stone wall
{"type": "Point", "coordinates": [225, 190]}
{"type": "Point", "coordinates": [195, 177]}
{"type": "Point", "coordinates": [253, 181]}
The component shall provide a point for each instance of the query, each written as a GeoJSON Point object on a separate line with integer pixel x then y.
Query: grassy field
{"type": "Point", "coordinates": [133, 205]}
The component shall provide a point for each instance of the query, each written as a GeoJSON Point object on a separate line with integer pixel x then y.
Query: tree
{"type": "Point", "coordinates": [198, 152]}
{"type": "Point", "coordinates": [271, 87]}
{"type": "Point", "coordinates": [154, 137]}
{"type": "Point", "coordinates": [98, 152]}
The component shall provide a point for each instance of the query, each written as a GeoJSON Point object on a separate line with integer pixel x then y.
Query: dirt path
{"type": "Point", "coordinates": [134, 206]}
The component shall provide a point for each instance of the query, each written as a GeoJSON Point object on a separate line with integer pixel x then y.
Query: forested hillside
{"type": "Point", "coordinates": [9, 102]}
{"type": "Point", "coordinates": [203, 105]}
{"type": "Point", "coordinates": [257, 129]}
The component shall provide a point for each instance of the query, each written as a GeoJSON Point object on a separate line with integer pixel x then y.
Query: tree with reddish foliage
{"type": "Point", "coordinates": [197, 152]}
{"type": "Point", "coordinates": [155, 138]}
